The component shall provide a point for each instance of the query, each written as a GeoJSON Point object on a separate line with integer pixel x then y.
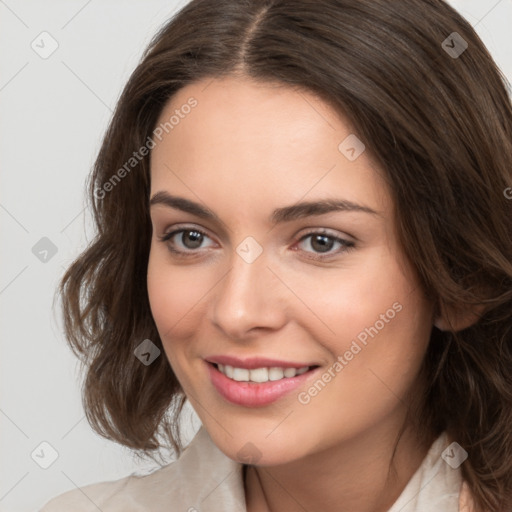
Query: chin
{"type": "Point", "coordinates": [258, 449]}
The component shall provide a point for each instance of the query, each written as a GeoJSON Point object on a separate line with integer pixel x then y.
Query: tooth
{"type": "Point", "coordinates": [221, 368]}
{"type": "Point", "coordinates": [240, 374]}
{"type": "Point", "coordinates": [302, 370]}
{"type": "Point", "coordinates": [275, 373]}
{"type": "Point", "coordinates": [259, 375]}
{"type": "Point", "coordinates": [228, 370]}
{"type": "Point", "coordinates": [289, 372]}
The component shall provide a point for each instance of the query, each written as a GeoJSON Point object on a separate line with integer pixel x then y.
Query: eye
{"type": "Point", "coordinates": [322, 243]}
{"type": "Point", "coordinates": [188, 241]}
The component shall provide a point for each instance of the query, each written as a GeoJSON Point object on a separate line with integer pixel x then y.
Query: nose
{"type": "Point", "coordinates": [249, 300]}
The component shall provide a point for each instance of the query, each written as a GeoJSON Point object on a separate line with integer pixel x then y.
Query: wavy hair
{"type": "Point", "coordinates": [438, 123]}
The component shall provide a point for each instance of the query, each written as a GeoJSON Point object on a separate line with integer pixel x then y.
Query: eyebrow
{"type": "Point", "coordinates": [284, 214]}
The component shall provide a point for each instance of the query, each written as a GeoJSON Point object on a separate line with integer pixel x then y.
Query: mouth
{"type": "Point", "coordinates": [257, 386]}
{"type": "Point", "coordinates": [260, 375]}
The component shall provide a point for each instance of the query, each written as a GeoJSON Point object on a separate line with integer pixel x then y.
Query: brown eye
{"type": "Point", "coordinates": [322, 244]}
{"type": "Point", "coordinates": [184, 240]}
{"type": "Point", "coordinates": [191, 239]}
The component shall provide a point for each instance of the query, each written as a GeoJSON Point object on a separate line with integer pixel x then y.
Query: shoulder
{"type": "Point", "coordinates": [133, 493]}
{"type": "Point", "coordinates": [180, 485]}
{"type": "Point", "coordinates": [87, 498]}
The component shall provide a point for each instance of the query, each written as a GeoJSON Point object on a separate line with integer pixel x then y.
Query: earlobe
{"type": "Point", "coordinates": [458, 319]}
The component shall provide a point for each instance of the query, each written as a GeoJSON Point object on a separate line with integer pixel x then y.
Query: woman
{"type": "Point", "coordinates": [303, 228]}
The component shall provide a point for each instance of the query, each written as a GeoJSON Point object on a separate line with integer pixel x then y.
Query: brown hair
{"type": "Point", "coordinates": [440, 127]}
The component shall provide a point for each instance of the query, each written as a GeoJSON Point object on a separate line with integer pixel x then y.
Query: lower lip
{"type": "Point", "coordinates": [254, 394]}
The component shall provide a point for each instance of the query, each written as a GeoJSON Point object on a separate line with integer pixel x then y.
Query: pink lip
{"type": "Point", "coordinates": [255, 394]}
{"type": "Point", "coordinates": [256, 362]}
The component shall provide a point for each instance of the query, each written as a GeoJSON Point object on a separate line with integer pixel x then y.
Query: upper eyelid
{"type": "Point", "coordinates": [310, 231]}
{"type": "Point", "coordinates": [177, 229]}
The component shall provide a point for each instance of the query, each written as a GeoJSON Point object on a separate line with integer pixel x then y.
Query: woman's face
{"type": "Point", "coordinates": [262, 273]}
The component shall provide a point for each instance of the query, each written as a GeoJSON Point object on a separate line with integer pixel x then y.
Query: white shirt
{"type": "Point", "coordinates": [203, 479]}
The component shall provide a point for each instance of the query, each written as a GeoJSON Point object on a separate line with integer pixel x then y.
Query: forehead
{"type": "Point", "coordinates": [259, 140]}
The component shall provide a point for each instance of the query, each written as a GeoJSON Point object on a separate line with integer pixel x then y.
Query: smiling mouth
{"type": "Point", "coordinates": [261, 375]}
{"type": "Point", "coordinates": [260, 385]}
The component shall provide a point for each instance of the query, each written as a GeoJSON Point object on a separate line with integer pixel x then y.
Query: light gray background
{"type": "Point", "coordinates": [53, 113]}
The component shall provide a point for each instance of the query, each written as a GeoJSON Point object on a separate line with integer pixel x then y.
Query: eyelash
{"type": "Point", "coordinates": [347, 245]}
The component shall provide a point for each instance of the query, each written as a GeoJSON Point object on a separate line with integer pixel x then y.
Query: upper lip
{"type": "Point", "coordinates": [255, 362]}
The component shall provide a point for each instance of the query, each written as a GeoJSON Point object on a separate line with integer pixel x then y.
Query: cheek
{"type": "Point", "coordinates": [374, 315]}
{"type": "Point", "coordinates": [343, 301]}
{"type": "Point", "coordinates": [374, 363]}
{"type": "Point", "coordinates": [383, 334]}
{"type": "Point", "coordinates": [175, 295]}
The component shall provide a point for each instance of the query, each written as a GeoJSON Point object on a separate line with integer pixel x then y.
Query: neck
{"type": "Point", "coordinates": [354, 476]}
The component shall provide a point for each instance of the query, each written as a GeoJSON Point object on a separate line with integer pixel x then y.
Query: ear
{"type": "Point", "coordinates": [458, 318]}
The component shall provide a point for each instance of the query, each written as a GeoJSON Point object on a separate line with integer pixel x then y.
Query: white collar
{"type": "Point", "coordinates": [434, 486]}
{"type": "Point", "coordinates": [204, 479]}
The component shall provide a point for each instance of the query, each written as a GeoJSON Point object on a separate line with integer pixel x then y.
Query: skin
{"type": "Point", "coordinates": [244, 150]}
